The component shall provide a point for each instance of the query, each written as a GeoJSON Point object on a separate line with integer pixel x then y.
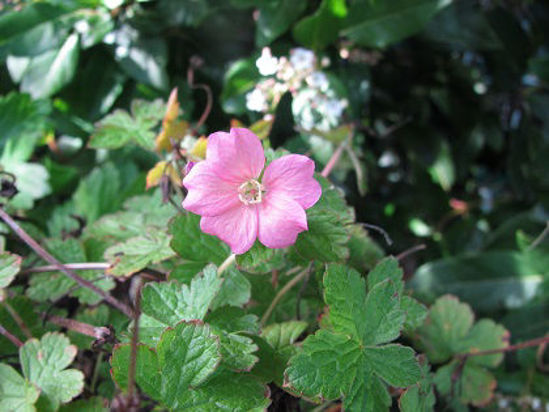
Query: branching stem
{"type": "Point", "coordinates": [33, 244]}
{"type": "Point", "coordinates": [523, 345]}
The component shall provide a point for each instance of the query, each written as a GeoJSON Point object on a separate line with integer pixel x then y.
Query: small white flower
{"type": "Point", "coordinates": [82, 26]}
{"type": "Point", "coordinates": [121, 52]}
{"type": "Point", "coordinates": [255, 101]}
{"type": "Point", "coordinates": [266, 64]}
{"type": "Point", "coordinates": [334, 107]}
{"type": "Point", "coordinates": [318, 80]}
{"type": "Point", "coordinates": [302, 59]}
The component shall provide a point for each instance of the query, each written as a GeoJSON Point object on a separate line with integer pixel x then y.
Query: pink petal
{"type": "Point", "coordinates": [281, 219]}
{"type": "Point", "coordinates": [293, 175]}
{"type": "Point", "coordinates": [236, 156]}
{"type": "Point", "coordinates": [209, 195]}
{"type": "Point", "coordinates": [236, 227]}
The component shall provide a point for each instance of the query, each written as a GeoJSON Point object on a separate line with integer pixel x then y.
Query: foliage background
{"type": "Point", "coordinates": [447, 103]}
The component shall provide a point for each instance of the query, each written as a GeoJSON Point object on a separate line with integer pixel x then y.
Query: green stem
{"type": "Point", "coordinates": [226, 264]}
{"type": "Point", "coordinates": [281, 294]}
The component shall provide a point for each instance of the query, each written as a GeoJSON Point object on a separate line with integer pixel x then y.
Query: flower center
{"type": "Point", "coordinates": [250, 192]}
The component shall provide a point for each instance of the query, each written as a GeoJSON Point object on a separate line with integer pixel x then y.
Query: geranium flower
{"type": "Point", "coordinates": [239, 201]}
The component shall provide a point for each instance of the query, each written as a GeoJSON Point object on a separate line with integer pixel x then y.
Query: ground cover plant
{"type": "Point", "coordinates": [279, 205]}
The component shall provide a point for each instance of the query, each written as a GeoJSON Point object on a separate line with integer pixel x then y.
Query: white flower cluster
{"type": "Point", "coordinates": [315, 104]}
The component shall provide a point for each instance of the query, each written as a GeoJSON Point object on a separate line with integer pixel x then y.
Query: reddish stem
{"type": "Point", "coordinates": [10, 336]}
{"type": "Point", "coordinates": [24, 328]}
{"type": "Point", "coordinates": [333, 160]}
{"type": "Point", "coordinates": [97, 332]}
{"type": "Point", "coordinates": [528, 344]}
{"type": "Point", "coordinates": [33, 244]}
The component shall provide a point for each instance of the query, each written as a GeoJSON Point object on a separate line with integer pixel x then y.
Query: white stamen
{"type": "Point", "coordinates": [250, 192]}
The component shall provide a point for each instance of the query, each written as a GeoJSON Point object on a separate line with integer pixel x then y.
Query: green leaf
{"type": "Point", "coordinates": [120, 127]}
{"type": "Point", "coordinates": [25, 309]}
{"type": "Point", "coordinates": [147, 370]}
{"type": "Point", "coordinates": [448, 330]}
{"type": "Point", "coordinates": [364, 252]}
{"type": "Point", "coordinates": [98, 193]}
{"type": "Point", "coordinates": [421, 396]}
{"type": "Point", "coordinates": [346, 296]}
{"type": "Point", "coordinates": [141, 212]}
{"type": "Point", "coordinates": [321, 28]}
{"type": "Point", "coordinates": [44, 362]}
{"type": "Point", "coordinates": [261, 259]}
{"type": "Point", "coordinates": [192, 244]}
{"type": "Point", "coordinates": [236, 350]}
{"type": "Point", "coordinates": [280, 335]}
{"type": "Point", "coordinates": [16, 394]}
{"type": "Point", "coordinates": [22, 120]}
{"type": "Point", "coordinates": [276, 347]}
{"type": "Point", "coordinates": [20, 26]}
{"type": "Point", "coordinates": [488, 281]}
{"type": "Point", "coordinates": [136, 253]}
{"type": "Point", "coordinates": [236, 289]}
{"type": "Point", "coordinates": [233, 319]}
{"type": "Point", "coordinates": [239, 78]}
{"type": "Point", "coordinates": [47, 73]}
{"type": "Point", "coordinates": [447, 324]}
{"type": "Point", "coordinates": [442, 170]}
{"type": "Point", "coordinates": [381, 23]}
{"type": "Point", "coordinates": [485, 335]}
{"type": "Point", "coordinates": [10, 264]}
{"type": "Point", "coordinates": [275, 18]}
{"type": "Point", "coordinates": [475, 385]}
{"type": "Point", "coordinates": [144, 58]}
{"type": "Point", "coordinates": [415, 313]}
{"type": "Point", "coordinates": [346, 360]}
{"type": "Point", "coordinates": [94, 404]}
{"type": "Point", "coordinates": [386, 269]}
{"type": "Point", "coordinates": [326, 239]}
{"type": "Point", "coordinates": [32, 183]}
{"type": "Point", "coordinates": [191, 345]}
{"type": "Point", "coordinates": [186, 374]}
{"type": "Point", "coordinates": [167, 303]}
{"type": "Point", "coordinates": [463, 26]}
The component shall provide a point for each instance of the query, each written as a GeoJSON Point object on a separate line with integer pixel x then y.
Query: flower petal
{"type": "Point", "coordinates": [209, 195]}
{"type": "Point", "coordinates": [236, 227]}
{"type": "Point", "coordinates": [281, 219]}
{"type": "Point", "coordinates": [236, 156]}
{"type": "Point", "coordinates": [293, 175]}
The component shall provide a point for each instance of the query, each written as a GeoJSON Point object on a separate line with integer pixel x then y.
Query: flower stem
{"type": "Point", "coordinates": [281, 294]}
{"type": "Point", "coordinates": [33, 244]}
{"type": "Point", "coordinates": [226, 263]}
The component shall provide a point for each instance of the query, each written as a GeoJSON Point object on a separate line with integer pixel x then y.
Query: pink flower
{"type": "Point", "coordinates": [238, 203]}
